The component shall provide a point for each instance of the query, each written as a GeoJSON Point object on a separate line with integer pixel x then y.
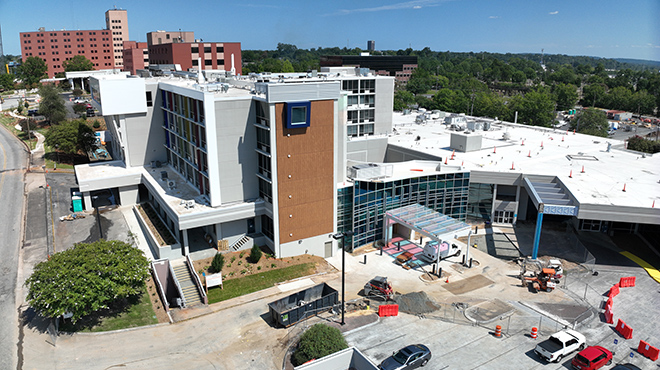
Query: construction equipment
{"type": "Point", "coordinates": [379, 287]}
{"type": "Point", "coordinates": [542, 281]}
{"type": "Point", "coordinates": [73, 216]}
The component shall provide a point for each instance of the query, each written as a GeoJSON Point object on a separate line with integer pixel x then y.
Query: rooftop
{"type": "Point", "coordinates": [598, 175]}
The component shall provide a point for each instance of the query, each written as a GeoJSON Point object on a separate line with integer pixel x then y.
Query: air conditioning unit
{"type": "Point", "coordinates": [171, 184]}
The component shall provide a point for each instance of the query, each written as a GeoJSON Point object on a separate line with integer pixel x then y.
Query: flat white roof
{"type": "Point", "coordinates": [550, 152]}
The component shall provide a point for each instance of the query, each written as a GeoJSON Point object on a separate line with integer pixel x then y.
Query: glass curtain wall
{"type": "Point", "coordinates": [444, 193]}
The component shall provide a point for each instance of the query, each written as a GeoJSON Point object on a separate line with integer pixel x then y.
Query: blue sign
{"type": "Point", "coordinates": [631, 355]}
{"type": "Point", "coordinates": [550, 209]}
{"type": "Point", "coordinates": [616, 341]}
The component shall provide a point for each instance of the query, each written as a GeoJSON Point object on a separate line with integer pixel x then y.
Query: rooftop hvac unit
{"type": "Point", "coordinates": [369, 171]}
{"type": "Point", "coordinates": [171, 184]}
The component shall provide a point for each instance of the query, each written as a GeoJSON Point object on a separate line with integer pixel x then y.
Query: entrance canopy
{"type": "Point", "coordinates": [427, 222]}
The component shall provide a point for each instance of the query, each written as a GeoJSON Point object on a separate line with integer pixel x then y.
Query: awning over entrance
{"type": "Point", "coordinates": [551, 197]}
{"type": "Point", "coordinates": [428, 222]}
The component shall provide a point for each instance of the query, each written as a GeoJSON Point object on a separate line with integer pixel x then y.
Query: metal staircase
{"type": "Point", "coordinates": [190, 291]}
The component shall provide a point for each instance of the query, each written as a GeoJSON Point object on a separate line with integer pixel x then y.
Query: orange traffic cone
{"type": "Point", "coordinates": [570, 175]}
{"type": "Point", "coordinates": [624, 187]}
{"type": "Point", "coordinates": [494, 149]}
{"type": "Point", "coordinates": [582, 169]}
{"type": "Point", "coordinates": [530, 154]}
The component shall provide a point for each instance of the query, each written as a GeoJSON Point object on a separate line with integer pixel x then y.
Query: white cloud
{"type": "Point", "coordinates": [555, 12]}
{"type": "Point", "coordinates": [494, 17]}
{"type": "Point", "coordinates": [414, 4]}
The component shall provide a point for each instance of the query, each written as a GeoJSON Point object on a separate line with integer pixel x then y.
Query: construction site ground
{"type": "Point", "coordinates": [454, 315]}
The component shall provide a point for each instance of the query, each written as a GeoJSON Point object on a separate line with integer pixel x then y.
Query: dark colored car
{"type": "Point", "coordinates": [592, 358]}
{"type": "Point", "coordinates": [625, 367]}
{"type": "Point", "coordinates": [410, 357]}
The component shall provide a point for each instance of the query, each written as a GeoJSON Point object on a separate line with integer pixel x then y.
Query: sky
{"type": "Point", "coordinates": [600, 28]}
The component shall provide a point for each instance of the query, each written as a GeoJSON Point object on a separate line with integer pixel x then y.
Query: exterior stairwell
{"type": "Point", "coordinates": [190, 292]}
{"type": "Point", "coordinates": [241, 242]}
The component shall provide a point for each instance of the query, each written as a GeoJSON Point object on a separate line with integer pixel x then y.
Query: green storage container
{"type": "Point", "coordinates": [77, 204]}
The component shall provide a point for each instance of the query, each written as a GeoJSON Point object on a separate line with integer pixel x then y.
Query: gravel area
{"type": "Point", "coordinates": [416, 303]}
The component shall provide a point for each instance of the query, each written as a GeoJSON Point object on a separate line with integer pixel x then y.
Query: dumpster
{"type": "Point", "coordinates": [302, 305]}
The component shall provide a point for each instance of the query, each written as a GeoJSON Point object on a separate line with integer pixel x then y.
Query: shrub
{"type": "Point", "coordinates": [258, 268]}
{"type": "Point", "coordinates": [319, 341]}
{"type": "Point", "coordinates": [217, 263]}
{"type": "Point", "coordinates": [272, 265]}
{"type": "Point", "coordinates": [240, 255]}
{"type": "Point", "coordinates": [255, 254]}
{"type": "Point", "coordinates": [96, 124]}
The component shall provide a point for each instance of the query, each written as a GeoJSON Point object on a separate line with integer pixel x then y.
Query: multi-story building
{"type": "Point", "coordinates": [213, 55]}
{"type": "Point", "coordinates": [371, 45]}
{"type": "Point", "coordinates": [272, 160]}
{"type": "Point", "coordinates": [102, 47]}
{"type": "Point", "coordinates": [135, 56]}
{"type": "Point", "coordinates": [399, 66]}
{"type": "Point", "coordinates": [116, 21]}
{"type": "Point", "coordinates": [168, 37]}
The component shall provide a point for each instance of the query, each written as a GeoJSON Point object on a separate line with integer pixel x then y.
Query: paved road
{"type": "Point", "coordinates": [13, 161]}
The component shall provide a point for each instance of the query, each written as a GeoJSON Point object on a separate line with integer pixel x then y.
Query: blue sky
{"type": "Point", "coordinates": [602, 28]}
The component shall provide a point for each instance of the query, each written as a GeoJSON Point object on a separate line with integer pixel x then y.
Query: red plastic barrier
{"type": "Point", "coordinates": [609, 303]}
{"type": "Point", "coordinates": [647, 350]}
{"type": "Point", "coordinates": [626, 282]}
{"type": "Point", "coordinates": [614, 290]}
{"type": "Point", "coordinates": [388, 310]}
{"type": "Point", "coordinates": [623, 329]}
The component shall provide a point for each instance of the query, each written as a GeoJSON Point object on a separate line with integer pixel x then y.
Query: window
{"type": "Point", "coordinates": [150, 102]}
{"type": "Point", "coordinates": [194, 49]}
{"type": "Point", "coordinates": [208, 62]}
{"type": "Point", "coordinates": [219, 49]}
{"type": "Point", "coordinates": [194, 62]}
{"type": "Point", "coordinates": [221, 62]}
{"type": "Point", "coordinates": [298, 114]}
{"type": "Point", "coordinates": [207, 49]}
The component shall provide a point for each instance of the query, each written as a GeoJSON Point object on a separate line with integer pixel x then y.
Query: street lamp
{"type": "Point", "coordinates": [341, 236]}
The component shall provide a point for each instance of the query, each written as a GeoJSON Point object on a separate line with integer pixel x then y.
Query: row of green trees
{"type": "Point", "coordinates": [34, 69]}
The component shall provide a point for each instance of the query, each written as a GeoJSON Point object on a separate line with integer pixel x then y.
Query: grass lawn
{"type": "Point", "coordinates": [253, 283]}
{"type": "Point", "coordinates": [135, 312]}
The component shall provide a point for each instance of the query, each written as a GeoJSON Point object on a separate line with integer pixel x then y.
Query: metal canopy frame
{"type": "Point", "coordinates": [425, 221]}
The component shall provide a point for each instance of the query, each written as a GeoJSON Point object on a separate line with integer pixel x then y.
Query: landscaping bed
{"type": "Point", "coordinates": [156, 225]}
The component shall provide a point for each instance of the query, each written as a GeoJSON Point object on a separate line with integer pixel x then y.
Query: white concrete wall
{"type": "Point", "coordinates": [120, 96]}
{"type": "Point", "coordinates": [314, 246]}
{"type": "Point", "coordinates": [367, 149]}
{"type": "Point", "coordinates": [128, 195]}
{"type": "Point", "coordinates": [235, 140]}
{"type": "Point", "coordinates": [384, 105]}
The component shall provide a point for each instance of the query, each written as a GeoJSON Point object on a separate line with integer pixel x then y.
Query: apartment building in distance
{"type": "Point", "coordinates": [398, 66]}
{"type": "Point", "coordinates": [135, 56]}
{"type": "Point", "coordinates": [104, 48]}
{"type": "Point", "coordinates": [167, 37]}
{"type": "Point", "coordinates": [213, 55]}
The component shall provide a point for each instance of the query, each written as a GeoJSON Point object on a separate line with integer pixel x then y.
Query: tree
{"type": "Point", "coordinates": [255, 254]}
{"type": "Point", "coordinates": [71, 137]}
{"type": "Point", "coordinates": [640, 144]}
{"type": "Point", "coordinates": [642, 102]}
{"type": "Point", "coordinates": [566, 96]}
{"type": "Point", "coordinates": [87, 278]}
{"type": "Point", "coordinates": [318, 341]}
{"type": "Point", "coordinates": [78, 63]}
{"type": "Point", "coordinates": [619, 98]}
{"type": "Point", "coordinates": [593, 94]}
{"type": "Point", "coordinates": [7, 81]}
{"type": "Point", "coordinates": [403, 99]}
{"type": "Point", "coordinates": [536, 108]}
{"type": "Point", "coordinates": [218, 262]}
{"type": "Point", "coordinates": [32, 71]}
{"type": "Point", "coordinates": [591, 122]}
{"type": "Point", "coordinates": [51, 105]}
{"type": "Point", "coordinates": [80, 109]}
{"type": "Point", "coordinates": [77, 92]}
{"type": "Point", "coordinates": [420, 82]}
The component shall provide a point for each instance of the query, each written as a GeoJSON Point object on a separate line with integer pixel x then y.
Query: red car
{"type": "Point", "coordinates": [592, 358]}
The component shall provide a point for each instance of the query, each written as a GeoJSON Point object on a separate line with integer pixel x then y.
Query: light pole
{"type": "Point", "coordinates": [341, 236]}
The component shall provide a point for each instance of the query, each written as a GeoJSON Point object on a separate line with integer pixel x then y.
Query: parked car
{"type": "Point", "coordinates": [80, 101]}
{"type": "Point", "coordinates": [33, 112]}
{"type": "Point", "coordinates": [410, 357]}
{"type": "Point", "coordinates": [559, 345]}
{"type": "Point", "coordinates": [592, 358]}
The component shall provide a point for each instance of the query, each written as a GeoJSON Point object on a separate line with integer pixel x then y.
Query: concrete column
{"type": "Point", "coordinates": [128, 195]}
{"type": "Point", "coordinates": [185, 248]}
{"type": "Point", "coordinates": [87, 200]}
{"type": "Point", "coordinates": [492, 208]}
{"type": "Point", "coordinates": [82, 84]}
{"type": "Point", "coordinates": [515, 214]}
{"type": "Point", "coordinates": [71, 82]}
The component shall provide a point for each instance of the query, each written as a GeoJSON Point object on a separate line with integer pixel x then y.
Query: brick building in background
{"type": "Point", "coordinates": [135, 56]}
{"type": "Point", "coordinates": [168, 37]}
{"type": "Point", "coordinates": [214, 55]}
{"type": "Point", "coordinates": [104, 48]}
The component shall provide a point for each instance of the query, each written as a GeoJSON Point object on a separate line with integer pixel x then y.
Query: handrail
{"type": "Point", "coordinates": [198, 281]}
{"type": "Point", "coordinates": [178, 286]}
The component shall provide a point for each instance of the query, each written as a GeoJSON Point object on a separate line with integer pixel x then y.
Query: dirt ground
{"type": "Point", "coordinates": [156, 302]}
{"type": "Point", "coordinates": [237, 264]}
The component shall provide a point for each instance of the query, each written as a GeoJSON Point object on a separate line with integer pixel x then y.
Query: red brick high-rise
{"type": "Point", "coordinates": [102, 47]}
{"type": "Point", "coordinates": [214, 55]}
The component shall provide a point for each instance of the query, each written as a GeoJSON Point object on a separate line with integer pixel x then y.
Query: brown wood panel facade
{"type": "Point", "coordinates": [305, 198]}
